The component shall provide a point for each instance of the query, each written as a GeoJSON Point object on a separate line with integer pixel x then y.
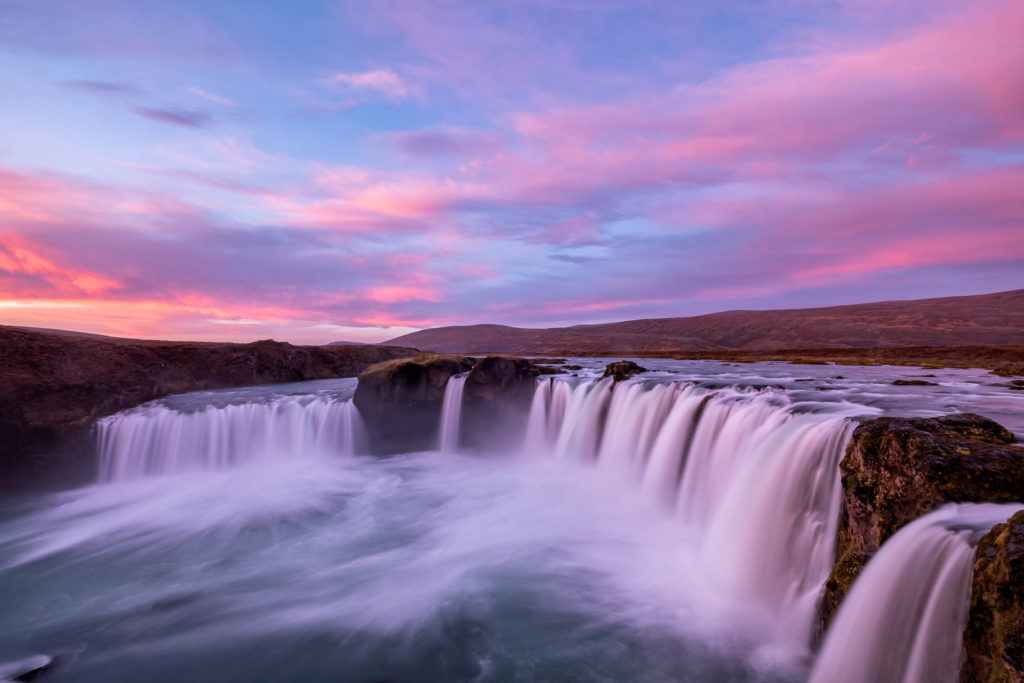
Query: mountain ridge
{"type": "Point", "coordinates": [996, 318]}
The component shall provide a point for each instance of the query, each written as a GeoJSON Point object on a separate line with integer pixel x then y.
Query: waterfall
{"type": "Point", "coordinates": [451, 414]}
{"type": "Point", "coordinates": [904, 617]}
{"type": "Point", "coordinates": [749, 473]}
{"type": "Point", "coordinates": [156, 440]}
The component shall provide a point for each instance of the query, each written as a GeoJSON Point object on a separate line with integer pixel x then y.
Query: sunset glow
{"type": "Point", "coordinates": [314, 172]}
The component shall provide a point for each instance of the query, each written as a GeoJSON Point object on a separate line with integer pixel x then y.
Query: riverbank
{"type": "Point", "coordinates": [1004, 360]}
{"type": "Point", "coordinates": [53, 385]}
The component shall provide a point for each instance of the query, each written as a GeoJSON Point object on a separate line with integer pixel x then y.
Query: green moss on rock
{"type": "Point", "coordinates": [994, 636]}
{"type": "Point", "coordinates": [898, 469]}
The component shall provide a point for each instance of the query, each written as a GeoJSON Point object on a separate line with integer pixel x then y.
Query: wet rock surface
{"type": "Point", "coordinates": [623, 369]}
{"type": "Point", "coordinates": [898, 469]}
{"type": "Point", "coordinates": [994, 636]}
{"type": "Point", "coordinates": [54, 386]}
{"type": "Point", "coordinates": [498, 393]}
{"type": "Point", "coordinates": [400, 400]}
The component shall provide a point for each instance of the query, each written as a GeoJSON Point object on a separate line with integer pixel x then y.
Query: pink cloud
{"type": "Point", "coordinates": [393, 293]}
{"type": "Point", "coordinates": [384, 81]}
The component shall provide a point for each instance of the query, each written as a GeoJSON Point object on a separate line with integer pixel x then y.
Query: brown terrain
{"type": "Point", "coordinates": [54, 384]}
{"type": "Point", "coordinates": [983, 320]}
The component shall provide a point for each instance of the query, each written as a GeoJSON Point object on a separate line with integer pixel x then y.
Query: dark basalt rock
{"type": "Point", "coordinates": [994, 636]}
{"type": "Point", "coordinates": [56, 385]}
{"type": "Point", "coordinates": [897, 469]}
{"type": "Point", "coordinates": [621, 369]}
{"type": "Point", "coordinates": [505, 378]}
{"type": "Point", "coordinates": [400, 400]}
{"type": "Point", "coordinates": [497, 399]}
{"type": "Point", "coordinates": [914, 383]}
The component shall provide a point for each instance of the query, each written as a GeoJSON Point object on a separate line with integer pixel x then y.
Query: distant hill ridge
{"type": "Point", "coordinates": [949, 321]}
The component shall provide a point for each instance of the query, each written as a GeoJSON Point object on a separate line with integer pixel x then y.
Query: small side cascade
{"type": "Point", "coordinates": [451, 414]}
{"type": "Point", "coordinates": [155, 440]}
{"type": "Point", "coordinates": [905, 614]}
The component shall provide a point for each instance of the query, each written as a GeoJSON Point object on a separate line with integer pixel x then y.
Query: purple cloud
{"type": "Point", "coordinates": [430, 144]}
{"type": "Point", "coordinates": [106, 88]}
{"type": "Point", "coordinates": [187, 118]}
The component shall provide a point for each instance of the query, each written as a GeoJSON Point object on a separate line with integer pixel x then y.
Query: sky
{"type": "Point", "coordinates": [319, 171]}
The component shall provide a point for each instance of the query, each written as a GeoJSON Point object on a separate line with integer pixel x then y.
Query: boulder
{"type": "Point", "coordinates": [621, 369]}
{"type": "Point", "coordinates": [897, 469]}
{"type": "Point", "coordinates": [400, 400]}
{"type": "Point", "coordinates": [504, 378]}
{"type": "Point", "coordinates": [496, 402]}
{"type": "Point", "coordinates": [913, 383]}
{"type": "Point", "coordinates": [994, 636]}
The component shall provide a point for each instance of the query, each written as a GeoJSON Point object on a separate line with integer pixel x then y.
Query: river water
{"type": "Point", "coordinates": [676, 527]}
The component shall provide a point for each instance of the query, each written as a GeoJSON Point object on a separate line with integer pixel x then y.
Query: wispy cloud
{"type": "Point", "coordinates": [107, 88]}
{"type": "Point", "coordinates": [187, 118]}
{"type": "Point", "coordinates": [384, 81]}
{"type": "Point", "coordinates": [431, 144]}
{"type": "Point", "coordinates": [210, 97]}
{"type": "Point", "coordinates": [552, 176]}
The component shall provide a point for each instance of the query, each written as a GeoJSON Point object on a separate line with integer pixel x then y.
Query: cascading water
{"type": "Point", "coordinates": [903, 619]}
{"type": "Point", "coordinates": [750, 475]}
{"type": "Point", "coordinates": [451, 414]}
{"type": "Point", "coordinates": [692, 544]}
{"type": "Point", "coordinates": [155, 439]}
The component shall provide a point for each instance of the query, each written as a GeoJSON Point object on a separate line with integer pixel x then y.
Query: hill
{"type": "Point", "coordinates": [986, 319]}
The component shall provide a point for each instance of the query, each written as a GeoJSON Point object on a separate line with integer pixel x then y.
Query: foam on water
{"type": "Point", "coordinates": [654, 529]}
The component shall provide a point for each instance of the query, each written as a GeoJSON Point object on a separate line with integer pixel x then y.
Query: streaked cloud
{"type": "Point", "coordinates": [507, 169]}
{"type": "Point", "coordinates": [188, 118]}
{"type": "Point", "coordinates": [384, 81]}
{"type": "Point", "coordinates": [210, 97]}
{"type": "Point", "coordinates": [106, 88]}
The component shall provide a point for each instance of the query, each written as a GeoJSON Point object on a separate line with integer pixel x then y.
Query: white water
{"type": "Point", "coordinates": [451, 414]}
{"type": "Point", "coordinates": [155, 440]}
{"type": "Point", "coordinates": [656, 530]}
{"type": "Point", "coordinates": [902, 621]}
{"type": "Point", "coordinates": [751, 476]}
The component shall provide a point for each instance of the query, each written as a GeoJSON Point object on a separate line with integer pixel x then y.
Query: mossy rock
{"type": "Point", "coordinates": [898, 469]}
{"type": "Point", "coordinates": [400, 400]}
{"type": "Point", "coordinates": [623, 369]}
{"type": "Point", "coordinates": [994, 636]}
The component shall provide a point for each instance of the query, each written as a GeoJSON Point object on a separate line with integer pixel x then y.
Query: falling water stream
{"type": "Point", "coordinates": [904, 617]}
{"type": "Point", "coordinates": [451, 415]}
{"type": "Point", "coordinates": [674, 527]}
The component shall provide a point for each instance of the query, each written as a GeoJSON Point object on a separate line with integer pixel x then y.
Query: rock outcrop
{"type": "Point", "coordinates": [501, 378]}
{"type": "Point", "coordinates": [897, 469]}
{"type": "Point", "coordinates": [400, 400]}
{"type": "Point", "coordinates": [497, 399]}
{"type": "Point", "coordinates": [994, 636]}
{"type": "Point", "coordinates": [53, 386]}
{"type": "Point", "coordinates": [621, 369]}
